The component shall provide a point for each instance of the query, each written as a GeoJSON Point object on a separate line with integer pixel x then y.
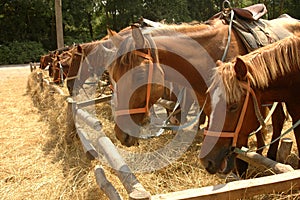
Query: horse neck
{"type": "Point", "coordinates": [194, 55]}
{"type": "Point", "coordinates": [75, 64]}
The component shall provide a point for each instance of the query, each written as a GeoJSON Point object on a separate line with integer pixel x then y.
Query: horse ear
{"type": "Point", "coordinates": [115, 37]}
{"type": "Point", "coordinates": [138, 37]}
{"type": "Point", "coordinates": [240, 69]}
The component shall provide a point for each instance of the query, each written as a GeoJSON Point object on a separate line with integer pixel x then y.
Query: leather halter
{"type": "Point", "coordinates": [150, 75]}
{"type": "Point", "coordinates": [235, 134]}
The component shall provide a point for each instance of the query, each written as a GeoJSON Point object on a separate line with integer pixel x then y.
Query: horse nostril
{"type": "Point", "coordinates": [210, 164]}
{"type": "Point", "coordinates": [211, 167]}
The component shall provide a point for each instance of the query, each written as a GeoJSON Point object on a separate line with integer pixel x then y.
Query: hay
{"type": "Point", "coordinates": [41, 160]}
{"type": "Point", "coordinates": [37, 162]}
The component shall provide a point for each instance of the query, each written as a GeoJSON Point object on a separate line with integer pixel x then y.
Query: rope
{"type": "Point", "coordinates": [237, 150]}
{"type": "Point", "coordinates": [266, 120]}
{"type": "Point", "coordinates": [229, 36]}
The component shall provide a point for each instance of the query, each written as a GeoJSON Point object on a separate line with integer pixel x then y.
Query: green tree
{"type": "Point", "coordinates": [26, 20]}
{"type": "Point", "coordinates": [169, 10]}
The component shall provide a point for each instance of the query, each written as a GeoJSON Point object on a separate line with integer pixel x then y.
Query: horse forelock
{"type": "Point", "coordinates": [126, 59]}
{"type": "Point", "coordinates": [225, 77]}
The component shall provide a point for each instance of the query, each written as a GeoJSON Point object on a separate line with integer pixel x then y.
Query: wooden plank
{"type": "Point", "coordinates": [239, 189]}
{"type": "Point", "coordinates": [102, 99]}
{"type": "Point", "coordinates": [88, 148]}
{"type": "Point", "coordinates": [128, 179]}
{"type": "Point", "coordinates": [284, 149]}
{"type": "Point", "coordinates": [262, 163]}
{"type": "Point", "coordinates": [92, 122]}
{"type": "Point", "coordinates": [166, 103]}
{"type": "Point", "coordinates": [55, 88]}
{"type": "Point", "coordinates": [105, 185]}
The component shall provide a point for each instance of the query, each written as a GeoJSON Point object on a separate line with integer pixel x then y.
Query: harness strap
{"type": "Point", "coordinates": [255, 102]}
{"type": "Point", "coordinates": [266, 119]}
{"type": "Point", "coordinates": [237, 150]}
{"type": "Point", "coordinates": [229, 36]}
{"type": "Point", "coordinates": [150, 75]}
{"type": "Point", "coordinates": [234, 134]}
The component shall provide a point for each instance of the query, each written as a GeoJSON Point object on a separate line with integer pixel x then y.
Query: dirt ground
{"type": "Point", "coordinates": [31, 167]}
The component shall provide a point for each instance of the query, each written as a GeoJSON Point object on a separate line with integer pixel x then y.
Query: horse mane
{"type": "Point", "coordinates": [185, 28]}
{"type": "Point", "coordinates": [88, 47]}
{"type": "Point", "coordinates": [125, 57]}
{"type": "Point", "coordinates": [264, 66]}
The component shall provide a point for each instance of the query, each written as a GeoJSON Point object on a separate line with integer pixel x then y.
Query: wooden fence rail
{"type": "Point", "coordinates": [239, 189]}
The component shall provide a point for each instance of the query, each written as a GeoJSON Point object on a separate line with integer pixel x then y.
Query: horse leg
{"type": "Point", "coordinates": [241, 167]}
{"type": "Point", "coordinates": [294, 111]}
{"type": "Point", "coordinates": [260, 140]}
{"type": "Point", "coordinates": [260, 135]}
{"type": "Point", "coordinates": [278, 119]}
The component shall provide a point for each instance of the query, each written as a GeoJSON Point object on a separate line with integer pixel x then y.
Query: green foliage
{"type": "Point", "coordinates": [20, 52]}
{"type": "Point", "coordinates": [171, 11]}
{"type": "Point", "coordinates": [86, 20]}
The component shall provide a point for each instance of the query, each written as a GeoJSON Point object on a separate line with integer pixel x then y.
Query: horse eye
{"type": "Point", "coordinates": [233, 107]}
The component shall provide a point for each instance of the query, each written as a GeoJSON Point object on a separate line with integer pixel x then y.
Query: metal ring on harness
{"type": "Point", "coordinates": [226, 7]}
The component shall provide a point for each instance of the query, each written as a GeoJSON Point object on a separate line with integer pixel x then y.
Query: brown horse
{"type": "Point", "coordinates": [89, 58]}
{"type": "Point", "coordinates": [60, 66]}
{"type": "Point", "coordinates": [189, 50]}
{"type": "Point", "coordinates": [46, 61]}
{"type": "Point", "coordinates": [78, 55]}
{"type": "Point", "coordinates": [269, 74]}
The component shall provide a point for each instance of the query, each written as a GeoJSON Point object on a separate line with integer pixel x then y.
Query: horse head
{"type": "Point", "coordinates": [88, 60]}
{"type": "Point", "coordinates": [231, 119]}
{"type": "Point", "coordinates": [138, 80]}
{"type": "Point", "coordinates": [76, 59]}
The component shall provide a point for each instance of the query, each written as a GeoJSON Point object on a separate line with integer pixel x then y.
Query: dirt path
{"type": "Point", "coordinates": [30, 168]}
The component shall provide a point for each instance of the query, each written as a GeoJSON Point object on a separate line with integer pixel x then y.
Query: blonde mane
{"type": "Point", "coordinates": [205, 28]}
{"type": "Point", "coordinates": [264, 66]}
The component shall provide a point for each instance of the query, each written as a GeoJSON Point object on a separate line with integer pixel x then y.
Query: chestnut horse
{"type": "Point", "coordinates": [81, 65]}
{"type": "Point", "coordinates": [269, 74]}
{"type": "Point", "coordinates": [60, 66]}
{"type": "Point", "coordinates": [89, 58]}
{"type": "Point", "coordinates": [190, 50]}
{"type": "Point", "coordinates": [46, 61]}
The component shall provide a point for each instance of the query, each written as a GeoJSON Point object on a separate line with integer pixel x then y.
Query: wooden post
{"type": "Point", "coordinates": [70, 119]}
{"type": "Point", "coordinates": [284, 150]}
{"type": "Point", "coordinates": [264, 163]}
{"type": "Point", "coordinates": [88, 148]}
{"type": "Point", "coordinates": [40, 77]}
{"type": "Point", "coordinates": [89, 120]}
{"type": "Point", "coordinates": [101, 99]}
{"type": "Point", "coordinates": [30, 64]}
{"type": "Point", "coordinates": [59, 26]}
{"type": "Point", "coordinates": [134, 188]}
{"type": "Point", "coordinates": [105, 185]}
{"type": "Point", "coordinates": [166, 103]}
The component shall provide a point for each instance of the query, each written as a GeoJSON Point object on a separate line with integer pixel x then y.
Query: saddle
{"type": "Point", "coordinates": [254, 31]}
{"type": "Point", "coordinates": [253, 12]}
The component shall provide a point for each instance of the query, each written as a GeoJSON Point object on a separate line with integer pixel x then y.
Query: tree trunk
{"type": "Point", "coordinates": [59, 26]}
{"type": "Point", "coordinates": [90, 26]}
{"type": "Point", "coordinates": [281, 7]}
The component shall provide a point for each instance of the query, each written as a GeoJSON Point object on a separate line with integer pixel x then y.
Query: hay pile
{"type": "Point", "coordinates": [52, 164]}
